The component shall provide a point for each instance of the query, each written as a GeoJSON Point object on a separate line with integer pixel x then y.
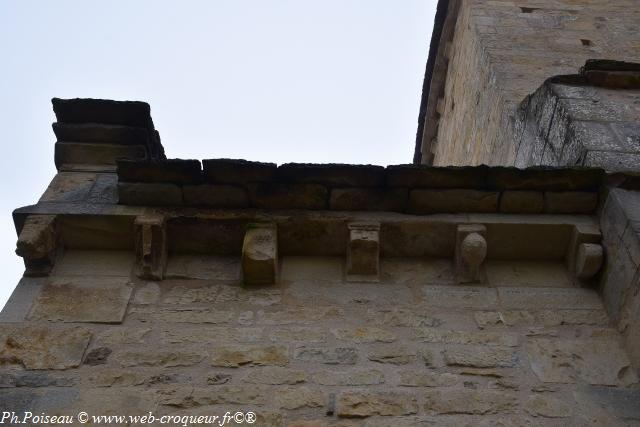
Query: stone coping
{"type": "Point", "coordinates": [414, 189]}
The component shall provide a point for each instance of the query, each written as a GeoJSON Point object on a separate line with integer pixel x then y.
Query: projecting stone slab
{"type": "Point", "coordinates": [473, 402]}
{"type": "Point", "coordinates": [260, 255]}
{"type": "Point", "coordinates": [83, 299]}
{"type": "Point", "coordinates": [597, 362]}
{"type": "Point", "coordinates": [453, 201]}
{"type": "Point", "coordinates": [460, 297]}
{"type": "Point", "coordinates": [36, 347]}
{"type": "Point", "coordinates": [547, 298]}
{"type": "Point", "coordinates": [365, 404]}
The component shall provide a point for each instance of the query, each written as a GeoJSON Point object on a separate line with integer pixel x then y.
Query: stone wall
{"type": "Point", "coordinates": [315, 350]}
{"type": "Point", "coordinates": [503, 50]}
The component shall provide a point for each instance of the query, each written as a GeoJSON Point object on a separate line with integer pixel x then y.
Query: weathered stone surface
{"type": "Point", "coordinates": [149, 194]}
{"type": "Point", "coordinates": [298, 334]}
{"type": "Point", "coordinates": [327, 355]}
{"type": "Point", "coordinates": [332, 175]}
{"type": "Point", "coordinates": [460, 297]}
{"type": "Point", "coordinates": [69, 187]}
{"type": "Point", "coordinates": [547, 298]}
{"type": "Point", "coordinates": [82, 263]}
{"type": "Point", "coordinates": [401, 317]}
{"type": "Point", "coordinates": [393, 354]}
{"type": "Point", "coordinates": [97, 132]}
{"type": "Point", "coordinates": [363, 249]}
{"type": "Point", "coordinates": [521, 202]}
{"type": "Point", "coordinates": [350, 378]}
{"type": "Point", "coordinates": [473, 402]}
{"type": "Point", "coordinates": [122, 335]}
{"type": "Point", "coordinates": [544, 317]}
{"type": "Point", "coordinates": [37, 238]}
{"type": "Point", "coordinates": [163, 357]}
{"type": "Point", "coordinates": [219, 196]}
{"type": "Point", "coordinates": [188, 397]}
{"type": "Point", "coordinates": [94, 156]}
{"type": "Point", "coordinates": [435, 177]}
{"type": "Point", "coordinates": [573, 202]}
{"type": "Point", "coordinates": [427, 379]}
{"type": "Point", "coordinates": [368, 199]}
{"type": "Point", "coordinates": [540, 405]}
{"type": "Point", "coordinates": [33, 379]}
{"type": "Point", "coordinates": [366, 404]}
{"type": "Point", "coordinates": [470, 252]}
{"type": "Point", "coordinates": [128, 113]}
{"type": "Point", "coordinates": [96, 300]}
{"type": "Point", "coordinates": [97, 356]}
{"type": "Point", "coordinates": [588, 260]}
{"type": "Point", "coordinates": [288, 196]}
{"type": "Point", "coordinates": [232, 171]}
{"type": "Point", "coordinates": [435, 335]}
{"type": "Point", "coordinates": [176, 171]}
{"type": "Point", "coordinates": [597, 362]}
{"type": "Point", "coordinates": [480, 357]}
{"type": "Point", "coordinates": [236, 356]}
{"type": "Point", "coordinates": [198, 266]}
{"type": "Point", "coordinates": [148, 294]}
{"type": "Point", "coordinates": [300, 397]}
{"type": "Point", "coordinates": [37, 347]}
{"type": "Point", "coordinates": [181, 315]}
{"type": "Point", "coordinates": [615, 403]}
{"type": "Point", "coordinates": [275, 376]}
{"type": "Point", "coordinates": [528, 274]}
{"type": "Point", "coordinates": [453, 201]}
{"type": "Point", "coordinates": [260, 255]}
{"type": "Point", "coordinates": [541, 178]}
{"type": "Point", "coordinates": [364, 335]}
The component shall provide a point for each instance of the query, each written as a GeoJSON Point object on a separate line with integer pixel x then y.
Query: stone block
{"type": "Point", "coordinates": [452, 201]}
{"type": "Point", "coordinates": [96, 132]}
{"type": "Point", "coordinates": [69, 187]}
{"type": "Point", "coordinates": [544, 178]}
{"type": "Point", "coordinates": [37, 243]}
{"type": "Point", "coordinates": [236, 356]}
{"type": "Point", "coordinates": [75, 156]}
{"type": "Point", "coordinates": [260, 255]}
{"type": "Point", "coordinates": [364, 335]}
{"type": "Point", "coordinates": [151, 246]}
{"type": "Point", "coordinates": [95, 299]}
{"type": "Point", "coordinates": [521, 202]}
{"type": "Point", "coordinates": [540, 405]}
{"type": "Point", "coordinates": [149, 194]}
{"type": "Point", "coordinates": [614, 79]}
{"type": "Point", "coordinates": [368, 199]}
{"type": "Point", "coordinates": [394, 354]}
{"type": "Point", "coordinates": [356, 377]}
{"type": "Point", "coordinates": [363, 251]}
{"type": "Point", "coordinates": [588, 260]}
{"type": "Point", "coordinates": [238, 172]}
{"type": "Point", "coordinates": [43, 347]}
{"type": "Point", "coordinates": [219, 196]}
{"type": "Point", "coordinates": [127, 113]}
{"type": "Point", "coordinates": [161, 357]}
{"type": "Point", "coordinates": [300, 398]}
{"type": "Point", "coordinates": [366, 404]}
{"type": "Point", "coordinates": [275, 376]}
{"type": "Point", "coordinates": [549, 298]}
{"type": "Point", "coordinates": [492, 339]}
{"type": "Point", "coordinates": [413, 176]}
{"type": "Point", "coordinates": [570, 202]}
{"type": "Point", "coordinates": [595, 361]}
{"type": "Point", "coordinates": [471, 251]}
{"type": "Point", "coordinates": [326, 355]}
{"type": "Point", "coordinates": [477, 356]}
{"type": "Point", "coordinates": [104, 190]}
{"type": "Point", "coordinates": [460, 297]}
{"type": "Point", "coordinates": [472, 402]}
{"type": "Point", "coordinates": [332, 175]}
{"type": "Point", "coordinates": [176, 171]}
{"type": "Point", "coordinates": [411, 378]}
{"type": "Point", "coordinates": [288, 196]}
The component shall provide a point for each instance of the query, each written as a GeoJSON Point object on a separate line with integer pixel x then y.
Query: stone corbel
{"type": "Point", "coordinates": [37, 244]}
{"type": "Point", "coordinates": [471, 251]}
{"type": "Point", "coordinates": [260, 254]}
{"type": "Point", "coordinates": [363, 252]}
{"type": "Point", "coordinates": [585, 254]}
{"type": "Point", "coordinates": [151, 246]}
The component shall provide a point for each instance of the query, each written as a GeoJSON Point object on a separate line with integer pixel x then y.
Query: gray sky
{"type": "Point", "coordinates": [270, 80]}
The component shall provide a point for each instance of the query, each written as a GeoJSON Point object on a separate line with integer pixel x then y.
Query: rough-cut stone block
{"type": "Point", "coordinates": [480, 357]}
{"type": "Point", "coordinates": [301, 397]}
{"type": "Point", "coordinates": [368, 199]}
{"type": "Point", "coordinates": [38, 347]}
{"type": "Point", "coordinates": [149, 194]}
{"type": "Point", "coordinates": [128, 113]}
{"type": "Point", "coordinates": [570, 202]}
{"type": "Point", "coordinates": [37, 244]}
{"type": "Point", "coordinates": [260, 255]}
{"type": "Point", "coordinates": [96, 132]}
{"type": "Point", "coordinates": [411, 378]}
{"type": "Point", "coordinates": [549, 298]}
{"type": "Point", "coordinates": [151, 246]}
{"type": "Point", "coordinates": [219, 196]}
{"type": "Point", "coordinates": [392, 354]}
{"type": "Point", "coordinates": [326, 355]}
{"type": "Point", "coordinates": [275, 376]}
{"type": "Point", "coordinates": [521, 202]}
{"type": "Point", "coordinates": [544, 178]}
{"type": "Point", "coordinates": [473, 402]}
{"type": "Point", "coordinates": [356, 377]}
{"type": "Point", "coordinates": [366, 404]}
{"type": "Point", "coordinates": [435, 335]}
{"type": "Point", "coordinates": [288, 196]}
{"type": "Point", "coordinates": [460, 297]}
{"type": "Point", "coordinates": [453, 201]}
{"type": "Point", "coordinates": [161, 357]}
{"type": "Point", "coordinates": [70, 155]}
{"type": "Point", "coordinates": [363, 251]}
{"type": "Point", "coordinates": [364, 335]}
{"type": "Point", "coordinates": [176, 171]}
{"type": "Point", "coordinates": [239, 172]}
{"type": "Point", "coordinates": [595, 361]}
{"type": "Point", "coordinates": [540, 405]}
{"type": "Point", "coordinates": [332, 175]}
{"type": "Point", "coordinates": [236, 356]}
{"type": "Point", "coordinates": [94, 300]}
{"type": "Point", "coordinates": [436, 177]}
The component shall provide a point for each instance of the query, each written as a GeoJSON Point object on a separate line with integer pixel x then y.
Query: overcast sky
{"type": "Point", "coordinates": [271, 80]}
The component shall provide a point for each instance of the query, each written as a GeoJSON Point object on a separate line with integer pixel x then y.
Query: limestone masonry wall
{"type": "Point", "coordinates": [504, 50]}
